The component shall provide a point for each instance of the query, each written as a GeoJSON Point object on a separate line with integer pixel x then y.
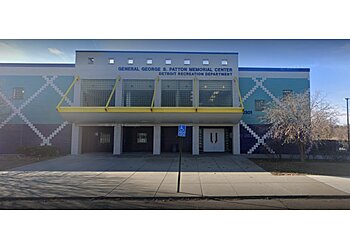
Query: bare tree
{"type": "Point", "coordinates": [340, 133]}
{"type": "Point", "coordinates": [297, 119]}
{"type": "Point", "coordinates": [324, 118]}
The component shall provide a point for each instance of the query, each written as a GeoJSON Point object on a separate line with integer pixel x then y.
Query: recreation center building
{"type": "Point", "coordinates": [133, 101]}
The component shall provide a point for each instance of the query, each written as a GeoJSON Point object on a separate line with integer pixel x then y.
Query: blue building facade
{"type": "Point", "coordinates": [28, 97]}
{"type": "Point", "coordinates": [266, 85]}
{"type": "Point", "coordinates": [181, 86]}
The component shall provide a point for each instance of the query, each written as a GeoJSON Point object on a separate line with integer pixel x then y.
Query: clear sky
{"type": "Point", "coordinates": [329, 60]}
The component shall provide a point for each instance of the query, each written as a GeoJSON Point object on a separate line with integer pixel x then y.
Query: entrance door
{"type": "Point", "coordinates": [97, 139]}
{"type": "Point", "coordinates": [170, 141]}
{"type": "Point", "coordinates": [214, 140]}
{"type": "Point", "coordinates": [137, 139]}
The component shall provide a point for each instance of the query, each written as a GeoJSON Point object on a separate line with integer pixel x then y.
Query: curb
{"type": "Point", "coordinates": [170, 198]}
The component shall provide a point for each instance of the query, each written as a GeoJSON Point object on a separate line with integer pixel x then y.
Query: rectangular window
{"type": "Point", "coordinates": [149, 61]}
{"type": "Point", "coordinates": [95, 92]}
{"type": "Point", "coordinates": [224, 62]}
{"type": "Point", "coordinates": [260, 105]}
{"type": "Point", "coordinates": [168, 61]}
{"type": "Point", "coordinates": [177, 93]}
{"type": "Point", "coordinates": [18, 93]}
{"type": "Point", "coordinates": [91, 60]}
{"type": "Point", "coordinates": [141, 138]}
{"type": "Point", "coordinates": [137, 92]}
{"type": "Point", "coordinates": [215, 93]}
{"type": "Point", "coordinates": [205, 62]}
{"type": "Point", "coordinates": [287, 92]}
{"type": "Point", "coordinates": [105, 138]}
{"type": "Point", "coordinates": [130, 61]}
{"type": "Point", "coordinates": [187, 61]}
{"type": "Point", "coordinates": [111, 61]}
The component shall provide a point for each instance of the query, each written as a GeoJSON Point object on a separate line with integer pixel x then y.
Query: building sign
{"type": "Point", "coordinates": [180, 71]}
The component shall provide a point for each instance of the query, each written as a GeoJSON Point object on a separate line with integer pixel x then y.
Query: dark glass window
{"type": "Point", "coordinates": [287, 92]}
{"type": "Point", "coordinates": [18, 93]}
{"type": "Point", "coordinates": [141, 138]}
{"type": "Point", "coordinates": [138, 93]}
{"type": "Point", "coordinates": [215, 93]}
{"type": "Point", "coordinates": [105, 138]}
{"type": "Point", "coordinates": [260, 105]}
{"type": "Point", "coordinates": [91, 60]}
{"type": "Point", "coordinates": [177, 93]}
{"type": "Point", "coordinates": [95, 92]}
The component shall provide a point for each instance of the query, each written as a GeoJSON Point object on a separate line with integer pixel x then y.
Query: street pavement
{"type": "Point", "coordinates": [147, 176]}
{"type": "Point", "coordinates": [179, 204]}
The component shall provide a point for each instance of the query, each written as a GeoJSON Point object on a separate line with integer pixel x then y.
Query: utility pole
{"type": "Point", "coordinates": [347, 118]}
{"type": "Point", "coordinates": [180, 157]}
{"type": "Point", "coordinates": [181, 133]}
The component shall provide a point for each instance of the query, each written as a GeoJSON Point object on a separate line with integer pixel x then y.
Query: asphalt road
{"type": "Point", "coordinates": [179, 204]}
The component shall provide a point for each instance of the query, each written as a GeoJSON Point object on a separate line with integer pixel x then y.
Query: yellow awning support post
{"type": "Point", "coordinates": [239, 92]}
{"type": "Point", "coordinates": [154, 93]}
{"type": "Point", "coordinates": [77, 78]}
{"type": "Point", "coordinates": [112, 93]}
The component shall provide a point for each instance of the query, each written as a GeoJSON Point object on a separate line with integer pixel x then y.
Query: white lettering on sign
{"type": "Point", "coordinates": [181, 71]}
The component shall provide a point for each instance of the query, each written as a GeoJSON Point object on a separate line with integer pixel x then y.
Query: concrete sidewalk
{"type": "Point", "coordinates": [150, 176]}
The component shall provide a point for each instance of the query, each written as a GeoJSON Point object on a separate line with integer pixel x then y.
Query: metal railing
{"type": "Point", "coordinates": [108, 108]}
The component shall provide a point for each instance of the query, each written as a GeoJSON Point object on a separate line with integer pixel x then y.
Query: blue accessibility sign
{"type": "Point", "coordinates": [181, 131]}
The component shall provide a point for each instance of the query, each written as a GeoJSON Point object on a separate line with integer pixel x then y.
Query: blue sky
{"type": "Point", "coordinates": [329, 60]}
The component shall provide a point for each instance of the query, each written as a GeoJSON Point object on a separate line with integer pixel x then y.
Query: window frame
{"type": "Point", "coordinates": [111, 61]}
{"type": "Point", "coordinates": [91, 60]}
{"type": "Point", "coordinates": [224, 62]}
{"type": "Point", "coordinates": [141, 138]}
{"type": "Point", "coordinates": [19, 90]}
{"type": "Point", "coordinates": [286, 92]}
{"type": "Point", "coordinates": [262, 106]}
{"type": "Point", "coordinates": [175, 90]}
{"type": "Point", "coordinates": [218, 94]}
{"type": "Point", "coordinates": [204, 62]}
{"type": "Point", "coordinates": [130, 61]}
